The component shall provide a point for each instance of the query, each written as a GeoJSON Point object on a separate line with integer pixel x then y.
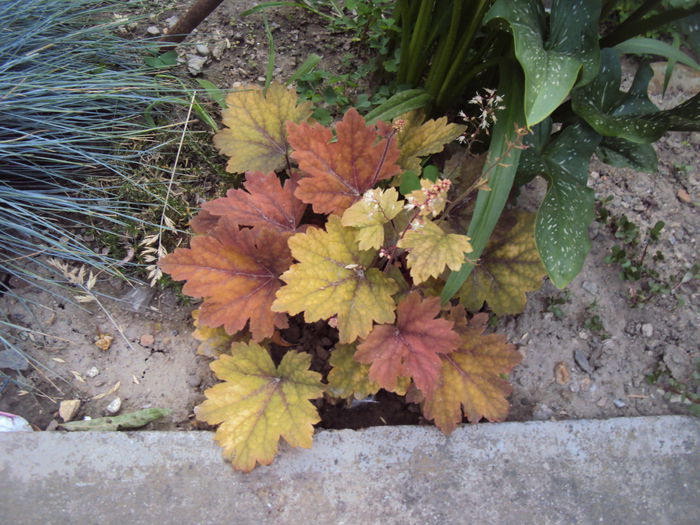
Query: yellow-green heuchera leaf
{"type": "Point", "coordinates": [430, 250]}
{"type": "Point", "coordinates": [419, 139]}
{"type": "Point", "coordinates": [509, 267]}
{"type": "Point", "coordinates": [257, 404]}
{"type": "Point", "coordinates": [332, 278]}
{"type": "Point", "coordinates": [348, 378]}
{"type": "Point", "coordinates": [369, 215]}
{"type": "Point", "coordinates": [255, 133]}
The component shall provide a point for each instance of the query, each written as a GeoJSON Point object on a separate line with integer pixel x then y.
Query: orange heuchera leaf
{"type": "Point", "coordinates": [332, 278]}
{"type": "Point", "coordinates": [470, 377]}
{"type": "Point", "coordinates": [237, 272]}
{"type": "Point", "coordinates": [264, 202]}
{"type": "Point", "coordinates": [203, 222]}
{"type": "Point", "coordinates": [338, 173]}
{"type": "Point", "coordinates": [255, 136]}
{"type": "Point", "coordinates": [412, 347]}
{"type": "Point", "coordinates": [257, 404]}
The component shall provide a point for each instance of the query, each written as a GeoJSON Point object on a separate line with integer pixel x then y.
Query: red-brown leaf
{"type": "Point", "coordinates": [338, 173]}
{"type": "Point", "coordinates": [263, 202]}
{"type": "Point", "coordinates": [237, 272]}
{"type": "Point", "coordinates": [412, 347]}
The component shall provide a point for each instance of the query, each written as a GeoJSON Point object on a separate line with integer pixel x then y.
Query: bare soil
{"type": "Point", "coordinates": [572, 367]}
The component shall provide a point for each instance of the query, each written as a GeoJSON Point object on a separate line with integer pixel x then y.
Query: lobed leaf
{"type": "Point", "coordinates": [212, 341]}
{"type": "Point", "coordinates": [412, 347]}
{"type": "Point", "coordinates": [257, 404]}
{"type": "Point", "coordinates": [255, 136]}
{"type": "Point", "coordinates": [237, 272]}
{"type": "Point", "coordinates": [509, 267]}
{"type": "Point", "coordinates": [348, 377]}
{"type": "Point", "coordinates": [332, 278]}
{"type": "Point", "coordinates": [470, 377]}
{"type": "Point", "coordinates": [263, 202]}
{"type": "Point", "coordinates": [430, 250]}
{"type": "Point", "coordinates": [337, 173]}
{"type": "Point", "coordinates": [419, 139]}
{"type": "Point", "coordinates": [369, 215]}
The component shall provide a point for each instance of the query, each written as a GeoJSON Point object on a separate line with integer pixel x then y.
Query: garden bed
{"type": "Point", "coordinates": [599, 350]}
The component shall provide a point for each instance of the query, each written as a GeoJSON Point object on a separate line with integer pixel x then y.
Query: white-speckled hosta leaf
{"type": "Point", "coordinates": [614, 113]}
{"type": "Point", "coordinates": [551, 67]}
{"type": "Point", "coordinates": [561, 229]}
{"type": "Point", "coordinates": [622, 153]}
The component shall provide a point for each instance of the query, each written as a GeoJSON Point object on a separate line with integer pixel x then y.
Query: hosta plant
{"type": "Point", "coordinates": [347, 225]}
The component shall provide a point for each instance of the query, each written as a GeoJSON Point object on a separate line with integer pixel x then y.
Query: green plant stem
{"type": "Point", "coordinates": [443, 55]}
{"type": "Point", "coordinates": [446, 92]}
{"type": "Point", "coordinates": [490, 204]}
{"type": "Point", "coordinates": [627, 31]}
{"type": "Point", "coordinates": [416, 48]}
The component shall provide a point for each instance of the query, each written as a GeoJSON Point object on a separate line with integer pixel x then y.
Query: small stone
{"type": "Point", "coordinates": [51, 426]}
{"type": "Point", "coordinates": [104, 341]}
{"type": "Point", "coordinates": [683, 196]}
{"type": "Point", "coordinates": [114, 406]}
{"type": "Point", "coordinates": [203, 49]}
{"type": "Point", "coordinates": [590, 287]}
{"type": "Point", "coordinates": [261, 79]}
{"type": "Point", "coordinates": [194, 381]}
{"type": "Point", "coordinates": [195, 64]}
{"type": "Point", "coordinates": [217, 50]}
{"type": "Point", "coordinates": [586, 384]}
{"type": "Point", "coordinates": [647, 330]}
{"type": "Point", "coordinates": [582, 361]}
{"type": "Point", "coordinates": [542, 412]}
{"type": "Point", "coordinates": [92, 372]}
{"type": "Point", "coordinates": [171, 21]}
{"type": "Point", "coordinates": [561, 373]}
{"type": "Point", "coordinates": [583, 335]}
{"type": "Point", "coordinates": [68, 409]}
{"type": "Point", "coordinates": [619, 403]}
{"type": "Point", "coordinates": [153, 30]}
{"type": "Point", "coordinates": [147, 340]}
{"type": "Point", "coordinates": [602, 402]}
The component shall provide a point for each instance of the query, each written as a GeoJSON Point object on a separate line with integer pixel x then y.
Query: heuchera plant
{"type": "Point", "coordinates": [345, 225]}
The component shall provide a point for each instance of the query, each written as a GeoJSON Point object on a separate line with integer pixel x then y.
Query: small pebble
{"type": "Point", "coordinates": [68, 409]}
{"type": "Point", "coordinates": [147, 340]}
{"type": "Point", "coordinates": [582, 361]}
{"type": "Point", "coordinates": [194, 381]}
{"type": "Point", "coordinates": [195, 64]}
{"type": "Point", "coordinates": [114, 406]}
{"type": "Point", "coordinates": [171, 21]}
{"type": "Point", "coordinates": [619, 403]}
{"type": "Point", "coordinates": [542, 412]}
{"type": "Point", "coordinates": [92, 372]}
{"type": "Point", "coordinates": [153, 30]}
{"type": "Point", "coordinates": [590, 287]}
{"type": "Point", "coordinates": [203, 49]}
{"type": "Point", "coordinates": [647, 330]}
{"type": "Point", "coordinates": [602, 402]}
{"type": "Point", "coordinates": [684, 196]}
{"type": "Point", "coordinates": [261, 79]}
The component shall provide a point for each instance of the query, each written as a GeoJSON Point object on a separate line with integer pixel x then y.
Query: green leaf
{"type": "Point", "coordinates": [551, 67]}
{"type": "Point", "coordinates": [561, 228]}
{"type": "Point", "coordinates": [215, 93]}
{"type": "Point", "coordinates": [622, 153]}
{"type": "Point", "coordinates": [613, 113]}
{"type": "Point", "coordinates": [500, 170]}
{"type": "Point", "coordinates": [125, 421]}
{"type": "Point", "coordinates": [409, 182]}
{"type": "Point", "coordinates": [651, 46]}
{"type": "Point", "coordinates": [399, 104]}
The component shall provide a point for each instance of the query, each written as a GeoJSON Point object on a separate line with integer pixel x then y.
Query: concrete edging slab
{"type": "Point", "coordinates": [627, 470]}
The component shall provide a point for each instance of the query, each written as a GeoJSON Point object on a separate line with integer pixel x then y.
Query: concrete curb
{"type": "Point", "coordinates": [628, 470]}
